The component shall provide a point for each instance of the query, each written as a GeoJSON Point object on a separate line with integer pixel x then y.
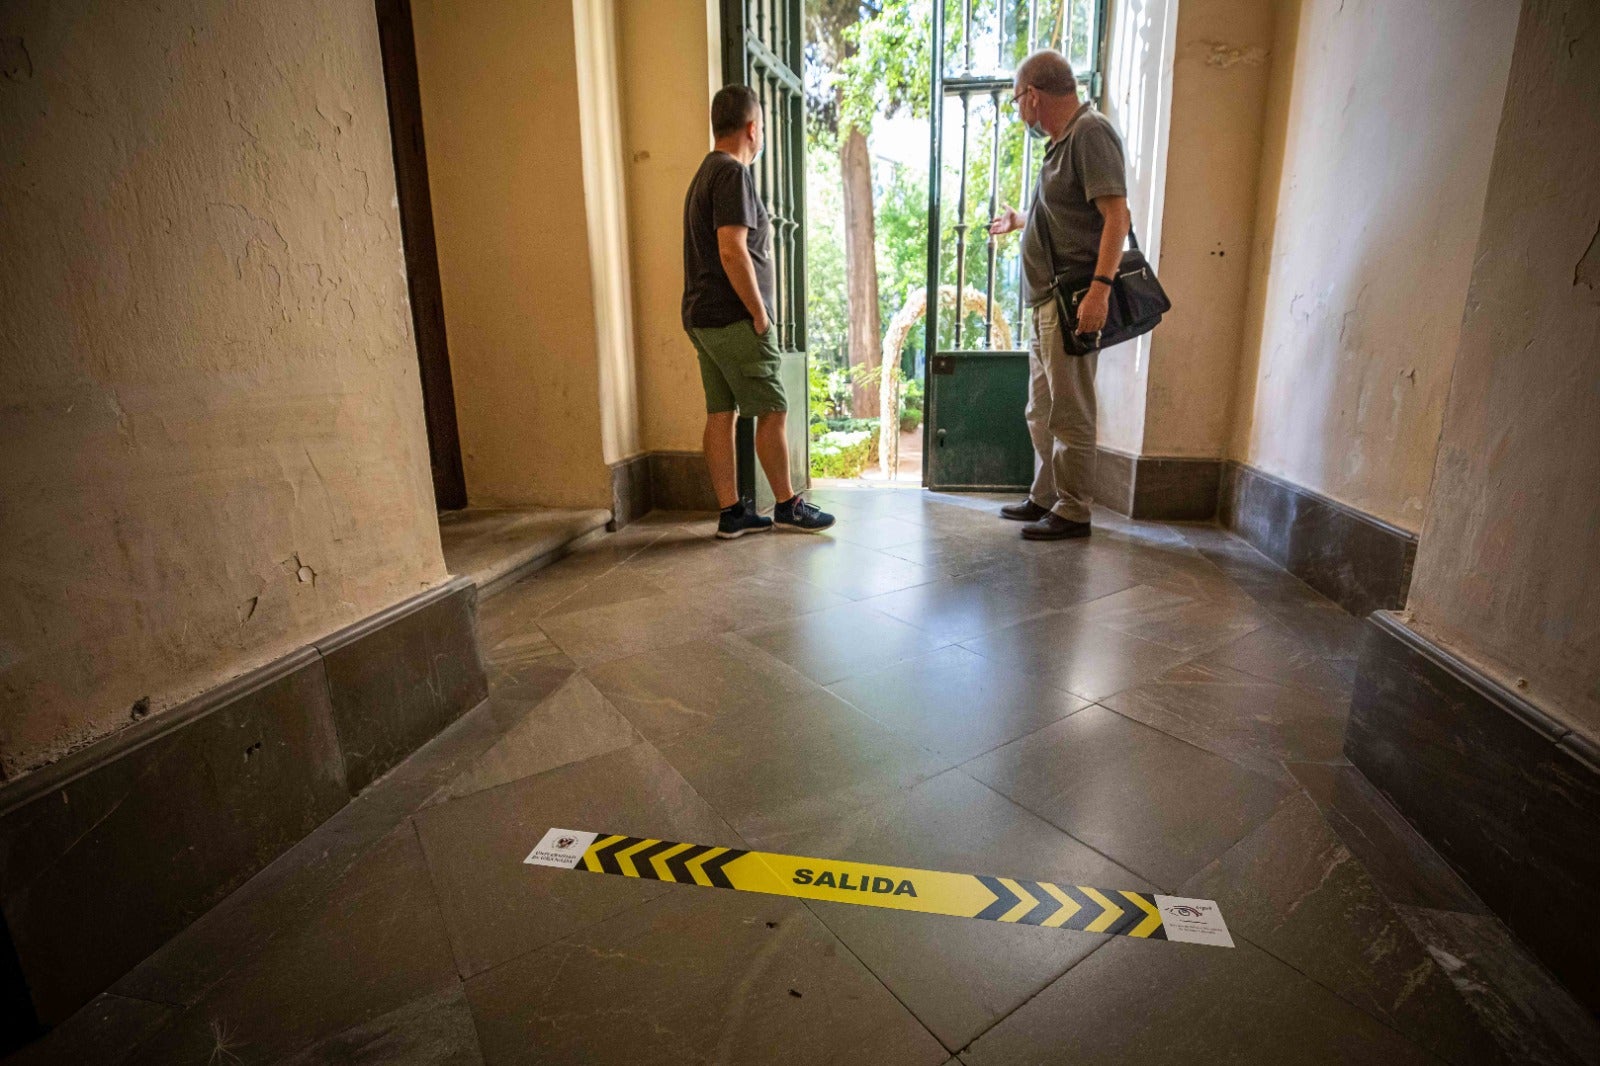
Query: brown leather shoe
{"type": "Point", "coordinates": [1053, 527]}
{"type": "Point", "coordinates": [1026, 511]}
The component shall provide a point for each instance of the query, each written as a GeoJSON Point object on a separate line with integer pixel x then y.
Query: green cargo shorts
{"type": "Point", "coordinates": [739, 369]}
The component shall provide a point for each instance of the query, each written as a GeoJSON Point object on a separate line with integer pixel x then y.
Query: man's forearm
{"type": "Point", "coordinates": [741, 271]}
{"type": "Point", "coordinates": [1112, 237]}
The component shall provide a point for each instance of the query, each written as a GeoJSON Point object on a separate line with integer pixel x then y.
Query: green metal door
{"type": "Point", "coordinates": [762, 46]}
{"type": "Point", "coordinates": [979, 157]}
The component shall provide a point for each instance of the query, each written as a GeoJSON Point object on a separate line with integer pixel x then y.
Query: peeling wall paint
{"type": "Point", "coordinates": [1375, 186]}
{"type": "Point", "coordinates": [209, 411]}
{"type": "Point", "coordinates": [499, 83]}
{"type": "Point", "coordinates": [1508, 566]}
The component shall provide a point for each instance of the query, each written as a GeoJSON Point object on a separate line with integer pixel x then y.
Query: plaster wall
{"type": "Point", "coordinates": [1220, 77]}
{"type": "Point", "coordinates": [500, 102]}
{"type": "Point", "coordinates": [1377, 198]}
{"type": "Point", "coordinates": [605, 201]}
{"type": "Point", "coordinates": [665, 53]}
{"type": "Point", "coordinates": [210, 423]}
{"type": "Point", "coordinates": [1508, 567]}
{"type": "Point", "coordinates": [1138, 100]}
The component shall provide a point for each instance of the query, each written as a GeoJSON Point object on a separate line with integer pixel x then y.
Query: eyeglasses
{"type": "Point", "coordinates": [1019, 94]}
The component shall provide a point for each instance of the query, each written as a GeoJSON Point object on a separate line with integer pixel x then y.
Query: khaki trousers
{"type": "Point", "coordinates": [1061, 419]}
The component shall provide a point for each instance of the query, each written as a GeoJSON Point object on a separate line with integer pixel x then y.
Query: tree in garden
{"type": "Point", "coordinates": [866, 59]}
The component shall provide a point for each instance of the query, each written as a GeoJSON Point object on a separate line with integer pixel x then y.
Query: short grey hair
{"type": "Point", "coordinates": [1048, 71]}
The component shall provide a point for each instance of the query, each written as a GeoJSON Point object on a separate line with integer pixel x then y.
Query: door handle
{"type": "Point", "coordinates": [939, 436]}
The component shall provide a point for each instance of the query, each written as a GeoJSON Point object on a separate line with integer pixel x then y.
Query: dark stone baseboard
{"type": "Point", "coordinates": [1157, 488]}
{"type": "Point", "coordinates": [680, 481]}
{"type": "Point", "coordinates": [109, 853]}
{"type": "Point", "coordinates": [1358, 561]}
{"type": "Point", "coordinates": [631, 491]}
{"type": "Point", "coordinates": [1508, 795]}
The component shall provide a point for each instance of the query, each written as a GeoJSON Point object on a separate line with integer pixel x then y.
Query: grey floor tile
{"type": "Point", "coordinates": [1075, 654]}
{"type": "Point", "coordinates": [775, 771]}
{"type": "Point", "coordinates": [1175, 621]}
{"type": "Point", "coordinates": [495, 907]}
{"type": "Point", "coordinates": [574, 723]}
{"type": "Point", "coordinates": [1155, 1003]}
{"type": "Point", "coordinates": [375, 942]}
{"type": "Point", "coordinates": [964, 608]}
{"type": "Point", "coordinates": [1406, 868]}
{"type": "Point", "coordinates": [831, 645]}
{"type": "Point", "coordinates": [1529, 1013]}
{"type": "Point", "coordinates": [598, 634]}
{"type": "Point", "coordinates": [1276, 654]}
{"type": "Point", "coordinates": [958, 976]}
{"type": "Point", "coordinates": [954, 553]}
{"type": "Point", "coordinates": [880, 532]}
{"type": "Point", "coordinates": [1294, 890]}
{"type": "Point", "coordinates": [848, 569]}
{"type": "Point", "coordinates": [703, 975]}
{"type": "Point", "coordinates": [1158, 806]}
{"type": "Point", "coordinates": [105, 1031]}
{"type": "Point", "coordinates": [956, 702]}
{"type": "Point", "coordinates": [1255, 722]}
{"type": "Point", "coordinates": [688, 686]}
{"type": "Point", "coordinates": [239, 928]}
{"type": "Point", "coordinates": [762, 598]}
{"type": "Point", "coordinates": [617, 585]}
{"type": "Point", "coordinates": [436, 1030]}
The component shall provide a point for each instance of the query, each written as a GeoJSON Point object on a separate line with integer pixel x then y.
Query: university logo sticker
{"type": "Point", "coordinates": [1114, 912]}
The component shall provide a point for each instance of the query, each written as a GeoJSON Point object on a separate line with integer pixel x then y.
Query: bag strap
{"type": "Point", "coordinates": [1042, 212]}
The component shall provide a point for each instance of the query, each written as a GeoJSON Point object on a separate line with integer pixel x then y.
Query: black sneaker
{"type": "Point", "coordinates": [740, 519]}
{"type": "Point", "coordinates": [802, 517]}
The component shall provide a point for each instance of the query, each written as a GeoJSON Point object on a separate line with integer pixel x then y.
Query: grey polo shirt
{"type": "Point", "coordinates": [1085, 164]}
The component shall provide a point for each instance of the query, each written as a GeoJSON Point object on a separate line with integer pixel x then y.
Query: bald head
{"type": "Point", "coordinates": [1048, 71]}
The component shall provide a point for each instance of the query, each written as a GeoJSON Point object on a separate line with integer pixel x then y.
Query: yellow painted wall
{"type": "Point", "coordinates": [210, 422]}
{"type": "Point", "coordinates": [500, 103]}
{"type": "Point", "coordinates": [1220, 77]}
{"type": "Point", "coordinates": [1376, 198]}
{"type": "Point", "coordinates": [665, 54]}
{"type": "Point", "coordinates": [1508, 567]}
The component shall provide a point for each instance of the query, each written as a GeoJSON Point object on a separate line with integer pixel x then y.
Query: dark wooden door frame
{"type": "Point", "coordinates": [398, 44]}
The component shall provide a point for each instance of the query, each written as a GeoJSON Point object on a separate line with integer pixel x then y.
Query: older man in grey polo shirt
{"type": "Point", "coordinates": [1081, 209]}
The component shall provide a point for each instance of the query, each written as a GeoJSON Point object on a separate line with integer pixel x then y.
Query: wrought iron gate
{"type": "Point", "coordinates": [977, 373]}
{"type": "Point", "coordinates": [762, 47]}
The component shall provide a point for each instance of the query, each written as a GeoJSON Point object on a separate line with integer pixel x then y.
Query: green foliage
{"type": "Point", "coordinates": [827, 310]}
{"type": "Point", "coordinates": [841, 455]}
{"type": "Point", "coordinates": [828, 391]}
{"type": "Point", "coordinates": [887, 69]}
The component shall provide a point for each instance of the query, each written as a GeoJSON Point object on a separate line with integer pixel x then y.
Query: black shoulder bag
{"type": "Point", "coordinates": [1135, 307]}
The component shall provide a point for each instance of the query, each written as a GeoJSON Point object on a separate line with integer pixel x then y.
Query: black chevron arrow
{"type": "Point", "coordinates": [1131, 914]}
{"type": "Point", "coordinates": [1047, 904]}
{"type": "Point", "coordinates": [1088, 910]}
{"type": "Point", "coordinates": [1004, 899]}
{"type": "Point", "coordinates": [608, 854]}
{"type": "Point", "coordinates": [641, 859]}
{"type": "Point", "coordinates": [678, 865]}
{"type": "Point", "coordinates": [713, 867]}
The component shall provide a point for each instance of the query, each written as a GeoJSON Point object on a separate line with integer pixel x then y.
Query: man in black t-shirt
{"type": "Point", "coordinates": [728, 293]}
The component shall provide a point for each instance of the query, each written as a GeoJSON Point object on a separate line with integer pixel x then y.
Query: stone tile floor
{"type": "Point", "coordinates": [1154, 708]}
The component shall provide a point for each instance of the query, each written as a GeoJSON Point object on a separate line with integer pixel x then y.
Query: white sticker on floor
{"type": "Point", "coordinates": [1193, 921]}
{"type": "Point", "coordinates": [561, 847]}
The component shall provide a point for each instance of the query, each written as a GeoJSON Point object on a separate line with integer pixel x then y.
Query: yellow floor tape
{"type": "Point", "coordinates": [1114, 912]}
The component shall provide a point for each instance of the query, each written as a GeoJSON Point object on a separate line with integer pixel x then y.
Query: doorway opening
{"type": "Point", "coordinates": [885, 167]}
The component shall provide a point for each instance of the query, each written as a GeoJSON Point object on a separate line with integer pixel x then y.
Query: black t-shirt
{"type": "Point", "coordinates": [722, 194]}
